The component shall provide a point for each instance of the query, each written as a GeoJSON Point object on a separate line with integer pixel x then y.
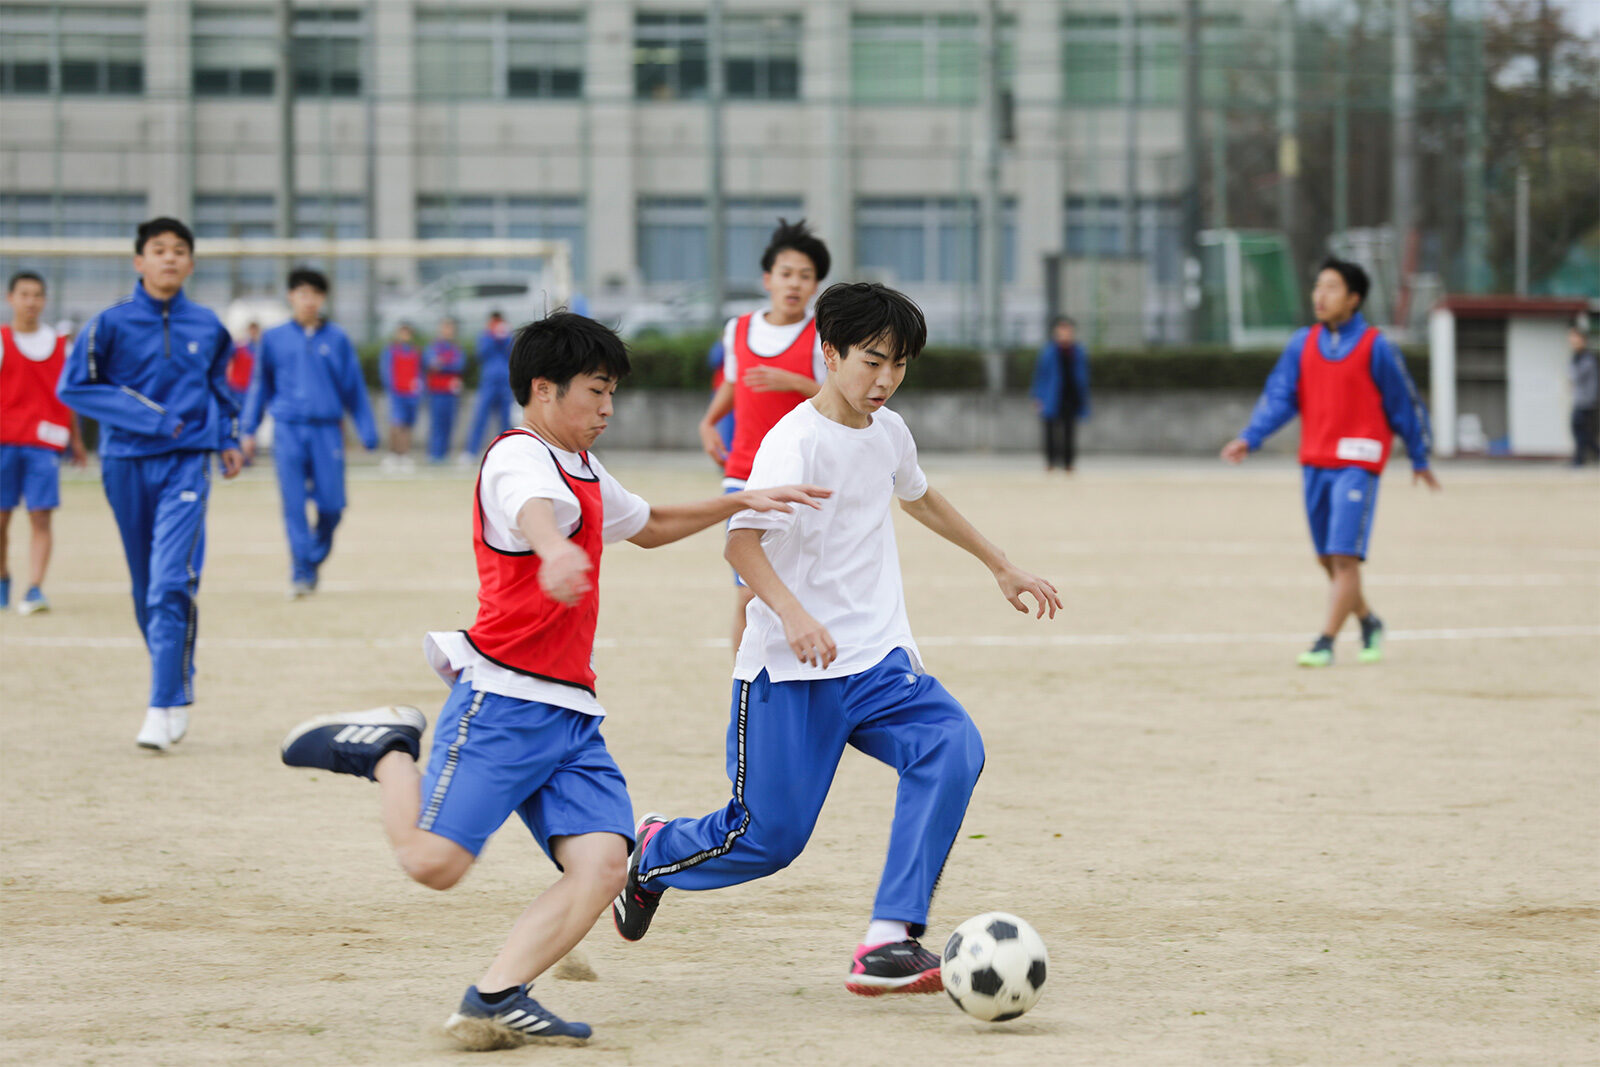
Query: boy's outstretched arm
{"type": "Point", "coordinates": [808, 638]}
{"type": "Point", "coordinates": [673, 522]}
{"type": "Point", "coordinates": [939, 515]}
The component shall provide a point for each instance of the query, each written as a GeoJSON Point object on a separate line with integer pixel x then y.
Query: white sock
{"type": "Point", "coordinates": [883, 931]}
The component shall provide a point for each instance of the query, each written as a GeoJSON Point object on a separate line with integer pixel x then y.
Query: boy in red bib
{"type": "Point", "coordinates": [35, 428]}
{"type": "Point", "coordinates": [1350, 387]}
{"type": "Point", "coordinates": [520, 731]}
{"type": "Point", "coordinates": [771, 361]}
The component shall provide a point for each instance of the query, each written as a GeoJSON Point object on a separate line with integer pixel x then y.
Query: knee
{"type": "Point", "coordinates": [967, 753]}
{"type": "Point", "coordinates": [1344, 564]}
{"type": "Point", "coordinates": [780, 845]}
{"type": "Point", "coordinates": [603, 877]}
{"type": "Point", "coordinates": [434, 867]}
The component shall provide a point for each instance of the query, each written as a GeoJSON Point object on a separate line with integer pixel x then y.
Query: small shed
{"type": "Point", "coordinates": [1498, 374]}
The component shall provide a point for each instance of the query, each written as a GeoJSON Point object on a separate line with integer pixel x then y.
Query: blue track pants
{"type": "Point", "coordinates": [784, 745]}
{"type": "Point", "coordinates": [160, 506]}
{"type": "Point", "coordinates": [441, 424]}
{"type": "Point", "coordinates": [310, 462]}
{"type": "Point", "coordinates": [494, 402]}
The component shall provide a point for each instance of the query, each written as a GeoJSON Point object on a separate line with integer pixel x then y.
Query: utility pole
{"type": "Point", "coordinates": [1476, 236]}
{"type": "Point", "coordinates": [1522, 230]}
{"type": "Point", "coordinates": [1341, 138]}
{"type": "Point", "coordinates": [1191, 159]}
{"type": "Point", "coordinates": [284, 11]}
{"type": "Point", "coordinates": [989, 201]}
{"type": "Point", "coordinates": [1130, 126]}
{"type": "Point", "coordinates": [716, 252]}
{"type": "Point", "coordinates": [1288, 131]}
{"type": "Point", "coordinates": [1405, 145]}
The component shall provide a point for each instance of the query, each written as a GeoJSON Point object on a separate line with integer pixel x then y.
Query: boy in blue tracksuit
{"type": "Point", "coordinates": [494, 384]}
{"type": "Point", "coordinates": [152, 370]}
{"type": "Point", "coordinates": [1348, 383]}
{"type": "Point", "coordinates": [308, 377]}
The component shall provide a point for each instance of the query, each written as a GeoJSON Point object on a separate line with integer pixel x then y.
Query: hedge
{"type": "Point", "coordinates": [680, 363]}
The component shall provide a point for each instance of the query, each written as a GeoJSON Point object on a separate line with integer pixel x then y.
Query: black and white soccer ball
{"type": "Point", "coordinates": [994, 966]}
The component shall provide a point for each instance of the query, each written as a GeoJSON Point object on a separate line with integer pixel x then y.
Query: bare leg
{"type": "Point", "coordinates": [402, 440]}
{"type": "Point", "coordinates": [742, 595]}
{"type": "Point", "coordinates": [436, 862]}
{"type": "Point", "coordinates": [595, 870]}
{"type": "Point", "coordinates": [1344, 592]}
{"type": "Point", "coordinates": [5, 542]}
{"type": "Point", "coordinates": [39, 546]}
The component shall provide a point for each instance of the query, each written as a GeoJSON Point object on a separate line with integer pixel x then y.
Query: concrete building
{"type": "Point", "coordinates": [587, 121]}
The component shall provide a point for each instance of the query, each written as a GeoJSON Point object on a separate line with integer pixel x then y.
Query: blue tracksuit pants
{"type": "Point", "coordinates": [441, 424]}
{"type": "Point", "coordinates": [784, 745]}
{"type": "Point", "coordinates": [310, 462]}
{"type": "Point", "coordinates": [160, 506]}
{"type": "Point", "coordinates": [494, 401]}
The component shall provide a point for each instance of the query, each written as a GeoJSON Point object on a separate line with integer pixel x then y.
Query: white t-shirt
{"type": "Point", "coordinates": [840, 561]}
{"type": "Point", "coordinates": [38, 346]}
{"type": "Point", "coordinates": [767, 341]}
{"type": "Point", "coordinates": [516, 471]}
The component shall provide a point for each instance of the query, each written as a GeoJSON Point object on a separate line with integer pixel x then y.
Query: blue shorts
{"type": "Point", "coordinates": [32, 473]}
{"type": "Point", "coordinates": [494, 755]}
{"type": "Point", "coordinates": [1339, 507]}
{"type": "Point", "coordinates": [403, 409]}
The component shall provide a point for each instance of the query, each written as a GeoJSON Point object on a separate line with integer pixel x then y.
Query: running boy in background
{"type": "Point", "coordinates": [494, 384]}
{"type": "Point", "coordinates": [828, 659]}
{"type": "Point", "coordinates": [520, 731]}
{"type": "Point", "coordinates": [1349, 385]}
{"type": "Point", "coordinates": [400, 367]}
{"type": "Point", "coordinates": [152, 370]}
{"type": "Point", "coordinates": [308, 377]}
{"type": "Point", "coordinates": [444, 363]}
{"type": "Point", "coordinates": [35, 428]}
{"type": "Point", "coordinates": [771, 360]}
{"type": "Point", "coordinates": [241, 368]}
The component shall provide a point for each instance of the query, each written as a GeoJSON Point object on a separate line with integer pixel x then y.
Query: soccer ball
{"type": "Point", "coordinates": [994, 966]}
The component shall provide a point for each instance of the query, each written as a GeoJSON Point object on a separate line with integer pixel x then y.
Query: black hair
{"type": "Point", "coordinates": [1355, 279]}
{"type": "Point", "coordinates": [495, 314]}
{"type": "Point", "coordinates": [32, 276]}
{"type": "Point", "coordinates": [560, 347]}
{"type": "Point", "coordinates": [307, 276]}
{"type": "Point", "coordinates": [156, 227]}
{"type": "Point", "coordinates": [797, 236]}
{"type": "Point", "coordinates": [1063, 320]}
{"type": "Point", "coordinates": [859, 313]}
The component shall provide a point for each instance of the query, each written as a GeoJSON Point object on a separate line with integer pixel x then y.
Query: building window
{"type": "Point", "coordinates": [87, 51]}
{"type": "Point", "coordinates": [669, 56]}
{"type": "Point", "coordinates": [674, 236]}
{"type": "Point", "coordinates": [923, 59]}
{"type": "Point", "coordinates": [1094, 227]}
{"type": "Point", "coordinates": [327, 51]}
{"type": "Point", "coordinates": [85, 282]}
{"type": "Point", "coordinates": [548, 218]}
{"type": "Point", "coordinates": [239, 216]}
{"type": "Point", "coordinates": [1094, 55]}
{"type": "Point", "coordinates": [930, 239]}
{"type": "Point", "coordinates": [235, 52]}
{"type": "Point", "coordinates": [487, 55]}
{"type": "Point", "coordinates": [761, 57]}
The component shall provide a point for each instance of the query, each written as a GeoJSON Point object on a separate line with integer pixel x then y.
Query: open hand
{"type": "Point", "coordinates": [232, 462]}
{"type": "Point", "coordinates": [1425, 476]}
{"type": "Point", "coordinates": [774, 380]}
{"type": "Point", "coordinates": [1235, 450]}
{"type": "Point", "coordinates": [779, 499]}
{"type": "Point", "coordinates": [1014, 581]}
{"type": "Point", "coordinates": [809, 639]}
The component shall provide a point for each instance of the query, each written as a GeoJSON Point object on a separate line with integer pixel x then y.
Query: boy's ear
{"type": "Point", "coordinates": [830, 353]}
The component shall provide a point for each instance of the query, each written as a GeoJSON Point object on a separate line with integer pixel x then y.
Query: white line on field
{"type": "Point", "coordinates": [1489, 633]}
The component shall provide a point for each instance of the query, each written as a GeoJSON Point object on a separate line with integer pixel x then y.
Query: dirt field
{"type": "Point", "coordinates": [1232, 861]}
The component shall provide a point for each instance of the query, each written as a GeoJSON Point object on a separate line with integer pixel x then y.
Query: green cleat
{"type": "Point", "coordinates": [1320, 654]}
{"type": "Point", "coordinates": [1371, 639]}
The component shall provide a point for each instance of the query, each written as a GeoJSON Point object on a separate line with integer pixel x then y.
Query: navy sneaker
{"type": "Point", "coordinates": [1371, 639]}
{"type": "Point", "coordinates": [516, 1020]}
{"type": "Point", "coordinates": [896, 967]}
{"type": "Point", "coordinates": [635, 906]}
{"type": "Point", "coordinates": [354, 742]}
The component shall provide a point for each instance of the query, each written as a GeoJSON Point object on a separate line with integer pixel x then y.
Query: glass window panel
{"type": "Point", "coordinates": [24, 62]}
{"type": "Point", "coordinates": [455, 69]}
{"type": "Point", "coordinates": [887, 72]}
{"type": "Point", "coordinates": [956, 71]}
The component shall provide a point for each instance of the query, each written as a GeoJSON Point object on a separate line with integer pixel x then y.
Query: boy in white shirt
{"type": "Point", "coordinates": [828, 659]}
{"type": "Point", "coordinates": [521, 729]}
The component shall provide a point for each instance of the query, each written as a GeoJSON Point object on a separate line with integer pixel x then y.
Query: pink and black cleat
{"type": "Point", "coordinates": [894, 967]}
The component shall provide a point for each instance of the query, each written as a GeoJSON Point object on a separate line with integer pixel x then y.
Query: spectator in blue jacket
{"type": "Point", "coordinates": [1061, 392]}
{"type": "Point", "coordinates": [307, 377]}
{"type": "Point", "coordinates": [153, 371]}
{"type": "Point", "coordinates": [494, 385]}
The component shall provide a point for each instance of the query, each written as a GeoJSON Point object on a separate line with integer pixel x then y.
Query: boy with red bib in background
{"type": "Point", "coordinates": [771, 361]}
{"type": "Point", "coordinates": [35, 428]}
{"type": "Point", "coordinates": [401, 371]}
{"type": "Point", "coordinates": [1350, 387]}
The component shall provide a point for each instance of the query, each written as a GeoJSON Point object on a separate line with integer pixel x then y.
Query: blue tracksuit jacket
{"type": "Point", "coordinates": [309, 377]}
{"type": "Point", "coordinates": [1280, 400]}
{"type": "Point", "coordinates": [1046, 387]}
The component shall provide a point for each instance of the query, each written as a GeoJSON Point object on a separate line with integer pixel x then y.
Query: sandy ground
{"type": "Point", "coordinates": [1232, 861]}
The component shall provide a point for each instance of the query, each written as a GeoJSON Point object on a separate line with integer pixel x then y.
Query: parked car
{"type": "Point", "coordinates": [688, 309]}
{"type": "Point", "coordinates": [469, 296]}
